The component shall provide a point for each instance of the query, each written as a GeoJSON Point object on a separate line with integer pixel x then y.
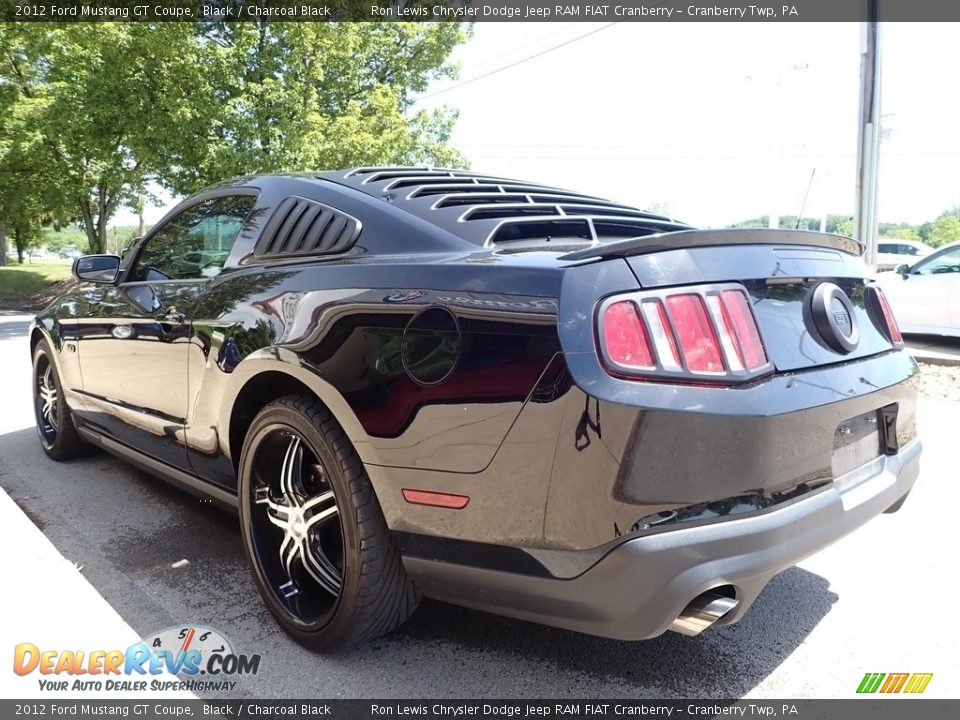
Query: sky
{"type": "Point", "coordinates": [711, 122]}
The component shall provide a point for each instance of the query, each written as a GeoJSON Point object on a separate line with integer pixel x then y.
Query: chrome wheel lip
{"type": "Point", "coordinates": [287, 527]}
{"type": "Point", "coordinates": [45, 400]}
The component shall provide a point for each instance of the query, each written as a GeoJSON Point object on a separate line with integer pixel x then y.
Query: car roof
{"type": "Point", "coordinates": [914, 243]}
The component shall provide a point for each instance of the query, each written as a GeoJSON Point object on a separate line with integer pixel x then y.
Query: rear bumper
{"type": "Point", "coordinates": [639, 588]}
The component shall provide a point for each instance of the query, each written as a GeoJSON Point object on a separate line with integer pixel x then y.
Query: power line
{"type": "Point", "coordinates": [518, 62]}
{"type": "Point", "coordinates": [518, 48]}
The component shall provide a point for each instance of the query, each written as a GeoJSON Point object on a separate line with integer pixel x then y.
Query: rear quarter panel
{"type": "Point", "coordinates": [338, 325]}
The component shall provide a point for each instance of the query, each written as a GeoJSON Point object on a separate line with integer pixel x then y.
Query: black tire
{"type": "Point", "coordinates": [58, 434]}
{"type": "Point", "coordinates": [322, 556]}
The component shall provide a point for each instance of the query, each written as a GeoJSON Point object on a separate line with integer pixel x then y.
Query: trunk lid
{"type": "Point", "coordinates": [781, 271]}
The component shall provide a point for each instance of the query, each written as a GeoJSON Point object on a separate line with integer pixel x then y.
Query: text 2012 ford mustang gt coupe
{"type": "Point", "coordinates": [507, 396]}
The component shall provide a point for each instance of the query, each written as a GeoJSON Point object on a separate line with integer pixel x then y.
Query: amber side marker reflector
{"type": "Point", "coordinates": [436, 499]}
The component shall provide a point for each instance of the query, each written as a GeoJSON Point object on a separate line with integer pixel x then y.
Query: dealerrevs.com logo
{"type": "Point", "coordinates": [202, 660]}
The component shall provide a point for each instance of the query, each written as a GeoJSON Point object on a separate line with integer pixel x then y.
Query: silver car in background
{"type": "Point", "coordinates": [891, 253]}
{"type": "Point", "coordinates": [925, 295]}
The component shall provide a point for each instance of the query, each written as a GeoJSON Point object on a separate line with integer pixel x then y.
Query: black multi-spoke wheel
{"type": "Point", "coordinates": [45, 398]}
{"type": "Point", "coordinates": [321, 553]}
{"type": "Point", "coordinates": [295, 517]}
{"type": "Point", "coordinates": [58, 436]}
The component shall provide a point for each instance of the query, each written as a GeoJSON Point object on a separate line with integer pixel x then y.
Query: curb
{"type": "Point", "coordinates": [936, 360]}
{"type": "Point", "coordinates": [55, 606]}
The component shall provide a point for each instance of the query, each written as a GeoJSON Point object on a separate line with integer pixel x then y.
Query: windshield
{"type": "Point", "coordinates": [946, 261]}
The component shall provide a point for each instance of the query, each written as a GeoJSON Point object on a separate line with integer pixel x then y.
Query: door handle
{"type": "Point", "coordinates": [171, 316]}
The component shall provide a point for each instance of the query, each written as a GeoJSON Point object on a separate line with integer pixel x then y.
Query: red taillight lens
{"type": "Point", "coordinates": [895, 336]}
{"type": "Point", "coordinates": [707, 333]}
{"type": "Point", "coordinates": [624, 337]}
{"type": "Point", "coordinates": [698, 341]}
{"type": "Point", "coordinates": [746, 337]}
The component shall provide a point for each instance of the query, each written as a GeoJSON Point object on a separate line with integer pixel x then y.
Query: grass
{"type": "Point", "coordinates": [18, 283]}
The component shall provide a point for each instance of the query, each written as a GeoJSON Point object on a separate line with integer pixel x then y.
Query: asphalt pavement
{"type": "Point", "coordinates": [880, 600]}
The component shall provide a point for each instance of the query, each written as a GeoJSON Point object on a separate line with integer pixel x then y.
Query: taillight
{"type": "Point", "coordinates": [624, 336]}
{"type": "Point", "coordinates": [707, 334]}
{"type": "Point", "coordinates": [698, 341]}
{"type": "Point", "coordinates": [892, 330]}
{"type": "Point", "coordinates": [744, 327]}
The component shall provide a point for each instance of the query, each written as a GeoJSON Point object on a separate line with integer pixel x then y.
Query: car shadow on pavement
{"type": "Point", "coordinates": [722, 662]}
{"type": "Point", "coordinates": [131, 533]}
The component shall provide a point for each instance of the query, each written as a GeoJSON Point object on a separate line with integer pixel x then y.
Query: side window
{"type": "Point", "coordinates": [947, 262]}
{"type": "Point", "coordinates": [887, 248]}
{"type": "Point", "coordinates": [195, 244]}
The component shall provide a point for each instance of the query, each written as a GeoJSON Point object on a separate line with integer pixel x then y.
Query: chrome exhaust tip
{"type": "Point", "coordinates": [702, 612]}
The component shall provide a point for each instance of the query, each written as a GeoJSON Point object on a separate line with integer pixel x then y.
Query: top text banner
{"type": "Point", "coordinates": [474, 10]}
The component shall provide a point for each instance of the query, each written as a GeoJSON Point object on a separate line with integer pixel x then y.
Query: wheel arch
{"type": "Point", "coordinates": [270, 374]}
{"type": "Point", "coordinates": [40, 331]}
{"type": "Point", "coordinates": [36, 335]}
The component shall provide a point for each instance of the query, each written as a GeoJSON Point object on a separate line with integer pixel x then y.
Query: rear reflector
{"type": "Point", "coordinates": [893, 330]}
{"type": "Point", "coordinates": [703, 333]}
{"type": "Point", "coordinates": [436, 499]}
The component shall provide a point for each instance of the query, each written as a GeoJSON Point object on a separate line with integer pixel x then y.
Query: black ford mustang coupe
{"type": "Point", "coordinates": [412, 381]}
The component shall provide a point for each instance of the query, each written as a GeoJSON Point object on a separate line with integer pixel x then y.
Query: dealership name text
{"type": "Point", "coordinates": [592, 11]}
{"type": "Point", "coordinates": [585, 709]}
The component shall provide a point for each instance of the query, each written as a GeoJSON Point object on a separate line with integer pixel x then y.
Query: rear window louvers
{"type": "Point", "coordinates": [476, 199]}
{"type": "Point", "coordinates": [625, 228]}
{"type": "Point", "coordinates": [495, 211]}
{"type": "Point", "coordinates": [458, 187]}
{"type": "Point", "coordinates": [577, 208]}
{"type": "Point", "coordinates": [423, 184]}
{"type": "Point", "coordinates": [542, 230]}
{"type": "Point", "coordinates": [373, 170]}
{"type": "Point", "coordinates": [591, 229]}
{"type": "Point", "coordinates": [304, 227]}
{"type": "Point", "coordinates": [419, 174]}
{"type": "Point", "coordinates": [488, 213]}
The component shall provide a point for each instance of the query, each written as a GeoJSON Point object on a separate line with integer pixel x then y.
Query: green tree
{"type": "Point", "coordinates": [100, 102]}
{"type": "Point", "coordinates": [26, 199]}
{"type": "Point", "coordinates": [301, 96]}
{"type": "Point", "coordinates": [946, 228]}
{"type": "Point", "coordinates": [107, 107]}
{"type": "Point", "coordinates": [757, 222]}
{"type": "Point", "coordinates": [899, 232]}
{"type": "Point", "coordinates": [57, 237]}
{"type": "Point", "coordinates": [843, 227]}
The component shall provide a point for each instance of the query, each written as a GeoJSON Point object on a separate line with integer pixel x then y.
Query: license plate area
{"type": "Point", "coordinates": [856, 442]}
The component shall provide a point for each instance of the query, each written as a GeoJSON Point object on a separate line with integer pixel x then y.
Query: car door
{"type": "Point", "coordinates": [927, 299]}
{"type": "Point", "coordinates": [133, 337]}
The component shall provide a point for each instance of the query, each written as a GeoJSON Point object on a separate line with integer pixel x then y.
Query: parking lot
{"type": "Point", "coordinates": [878, 601]}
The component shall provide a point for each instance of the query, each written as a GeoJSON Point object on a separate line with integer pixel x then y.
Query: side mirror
{"type": "Point", "coordinates": [903, 269]}
{"type": "Point", "coordinates": [96, 268]}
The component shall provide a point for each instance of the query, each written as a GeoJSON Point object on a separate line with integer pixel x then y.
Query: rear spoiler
{"type": "Point", "coordinates": [683, 239]}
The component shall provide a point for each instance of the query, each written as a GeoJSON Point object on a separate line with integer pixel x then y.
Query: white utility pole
{"type": "Point", "coordinates": [865, 221]}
